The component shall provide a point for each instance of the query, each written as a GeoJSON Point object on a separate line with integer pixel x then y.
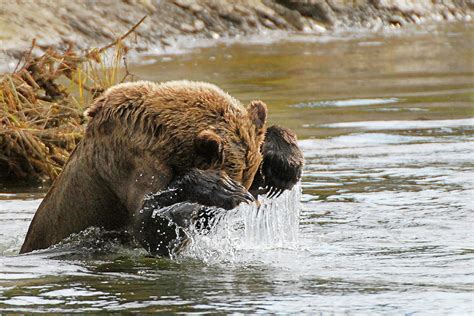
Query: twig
{"type": "Point", "coordinates": [24, 56]}
{"type": "Point", "coordinates": [121, 38]}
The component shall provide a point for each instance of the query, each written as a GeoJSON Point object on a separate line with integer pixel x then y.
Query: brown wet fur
{"type": "Point", "coordinates": [140, 135]}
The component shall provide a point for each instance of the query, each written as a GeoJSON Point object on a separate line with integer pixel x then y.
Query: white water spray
{"type": "Point", "coordinates": [274, 224]}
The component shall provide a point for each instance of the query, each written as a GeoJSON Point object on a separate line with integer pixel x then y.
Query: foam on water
{"type": "Point", "coordinates": [400, 125]}
{"type": "Point", "coordinates": [350, 102]}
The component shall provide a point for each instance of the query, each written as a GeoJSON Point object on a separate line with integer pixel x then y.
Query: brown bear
{"type": "Point", "coordinates": [144, 137]}
{"type": "Point", "coordinates": [162, 224]}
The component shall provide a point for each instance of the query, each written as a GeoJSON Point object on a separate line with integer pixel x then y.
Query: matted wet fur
{"type": "Point", "coordinates": [140, 137]}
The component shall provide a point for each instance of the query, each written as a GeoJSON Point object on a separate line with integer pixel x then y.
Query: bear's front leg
{"type": "Point", "coordinates": [193, 198]}
{"type": "Point", "coordinates": [206, 187]}
{"type": "Point", "coordinates": [162, 230]}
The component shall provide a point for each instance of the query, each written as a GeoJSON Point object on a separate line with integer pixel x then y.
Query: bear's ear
{"type": "Point", "coordinates": [257, 111]}
{"type": "Point", "coordinates": [208, 146]}
{"type": "Point", "coordinates": [95, 107]}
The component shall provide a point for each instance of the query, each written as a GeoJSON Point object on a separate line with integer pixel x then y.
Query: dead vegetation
{"type": "Point", "coordinates": [42, 104]}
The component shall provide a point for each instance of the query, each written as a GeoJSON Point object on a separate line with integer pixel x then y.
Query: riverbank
{"type": "Point", "coordinates": [173, 24]}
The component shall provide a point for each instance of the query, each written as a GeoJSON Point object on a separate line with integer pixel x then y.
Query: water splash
{"type": "Point", "coordinates": [272, 225]}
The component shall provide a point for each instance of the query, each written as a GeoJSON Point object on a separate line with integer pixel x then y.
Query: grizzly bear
{"type": "Point", "coordinates": [189, 140]}
{"type": "Point", "coordinates": [162, 225]}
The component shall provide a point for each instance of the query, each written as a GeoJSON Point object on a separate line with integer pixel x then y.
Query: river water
{"type": "Point", "coordinates": [382, 222]}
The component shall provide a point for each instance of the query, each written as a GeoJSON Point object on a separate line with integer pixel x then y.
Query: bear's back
{"type": "Point", "coordinates": [171, 96]}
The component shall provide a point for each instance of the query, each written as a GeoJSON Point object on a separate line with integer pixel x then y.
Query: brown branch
{"type": "Point", "coordinates": [26, 55]}
{"type": "Point", "coordinates": [121, 38]}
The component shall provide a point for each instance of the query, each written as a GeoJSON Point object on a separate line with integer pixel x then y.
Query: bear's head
{"type": "Point", "coordinates": [177, 126]}
{"type": "Point", "coordinates": [234, 147]}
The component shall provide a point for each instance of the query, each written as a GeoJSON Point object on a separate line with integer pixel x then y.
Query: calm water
{"type": "Point", "coordinates": [383, 222]}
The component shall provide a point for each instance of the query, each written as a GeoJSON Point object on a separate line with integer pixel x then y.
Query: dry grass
{"type": "Point", "coordinates": [42, 105]}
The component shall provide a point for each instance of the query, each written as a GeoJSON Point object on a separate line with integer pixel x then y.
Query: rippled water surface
{"type": "Point", "coordinates": [384, 223]}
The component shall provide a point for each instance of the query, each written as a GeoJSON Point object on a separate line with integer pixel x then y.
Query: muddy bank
{"type": "Point", "coordinates": [172, 23]}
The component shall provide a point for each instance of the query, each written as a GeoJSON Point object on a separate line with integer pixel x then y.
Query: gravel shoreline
{"type": "Point", "coordinates": [172, 23]}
